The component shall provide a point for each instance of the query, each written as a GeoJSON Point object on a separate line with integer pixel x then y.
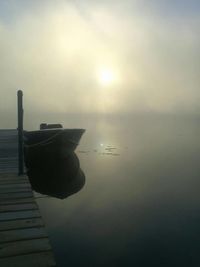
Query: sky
{"type": "Point", "coordinates": [56, 52]}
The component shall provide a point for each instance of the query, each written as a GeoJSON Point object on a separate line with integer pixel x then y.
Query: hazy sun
{"type": "Point", "coordinates": [106, 76]}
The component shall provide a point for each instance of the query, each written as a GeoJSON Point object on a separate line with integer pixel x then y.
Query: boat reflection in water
{"type": "Point", "coordinates": [58, 177]}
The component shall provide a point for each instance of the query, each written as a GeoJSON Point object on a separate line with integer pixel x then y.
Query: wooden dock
{"type": "Point", "coordinates": [23, 239]}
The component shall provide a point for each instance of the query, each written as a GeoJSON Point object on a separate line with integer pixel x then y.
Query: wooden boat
{"type": "Point", "coordinates": [49, 143]}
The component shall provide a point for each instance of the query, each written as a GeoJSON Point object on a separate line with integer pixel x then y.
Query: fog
{"type": "Point", "coordinates": [53, 50]}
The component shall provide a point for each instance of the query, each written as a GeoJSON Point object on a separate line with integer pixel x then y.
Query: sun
{"type": "Point", "coordinates": [106, 76]}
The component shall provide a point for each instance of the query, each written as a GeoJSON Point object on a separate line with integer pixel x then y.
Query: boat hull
{"type": "Point", "coordinates": [45, 145]}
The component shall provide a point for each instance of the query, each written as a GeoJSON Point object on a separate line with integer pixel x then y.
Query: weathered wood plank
{"type": "Point", "coordinates": [6, 216]}
{"type": "Point", "coordinates": [5, 159]}
{"type": "Point", "coordinates": [24, 247]}
{"type": "Point", "coordinates": [17, 207]}
{"type": "Point", "coordinates": [17, 201]}
{"type": "Point", "coordinates": [14, 169]}
{"type": "Point", "coordinates": [42, 259]}
{"type": "Point", "coordinates": [12, 175]}
{"type": "Point", "coordinates": [10, 185]}
{"type": "Point", "coordinates": [14, 182]}
{"type": "Point", "coordinates": [14, 190]}
{"type": "Point", "coordinates": [13, 178]}
{"type": "Point", "coordinates": [20, 181]}
{"type": "Point", "coordinates": [20, 224]}
{"type": "Point", "coordinates": [22, 234]}
{"type": "Point", "coordinates": [15, 195]}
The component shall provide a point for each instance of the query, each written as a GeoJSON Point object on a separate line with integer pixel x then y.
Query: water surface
{"type": "Point", "coordinates": [140, 203]}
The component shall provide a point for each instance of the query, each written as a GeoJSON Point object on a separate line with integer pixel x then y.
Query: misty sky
{"type": "Point", "coordinates": [54, 50]}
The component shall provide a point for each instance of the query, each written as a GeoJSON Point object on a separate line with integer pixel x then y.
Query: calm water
{"type": "Point", "coordinates": [140, 205]}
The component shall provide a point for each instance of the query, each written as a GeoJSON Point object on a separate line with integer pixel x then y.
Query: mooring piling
{"type": "Point", "coordinates": [20, 132]}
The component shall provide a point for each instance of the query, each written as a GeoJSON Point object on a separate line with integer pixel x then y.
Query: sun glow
{"type": "Point", "coordinates": [106, 76]}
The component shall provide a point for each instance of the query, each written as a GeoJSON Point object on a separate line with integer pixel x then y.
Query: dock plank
{"type": "Point", "coordinates": [17, 185]}
{"type": "Point", "coordinates": [13, 178]}
{"type": "Point", "coordinates": [14, 190]}
{"type": "Point", "coordinates": [31, 260]}
{"type": "Point", "coordinates": [7, 216]}
{"type": "Point", "coordinates": [24, 247]}
{"type": "Point", "coordinates": [17, 201]}
{"type": "Point", "coordinates": [22, 234]}
{"type": "Point", "coordinates": [18, 207]}
{"type": "Point", "coordinates": [16, 195]}
{"type": "Point", "coordinates": [14, 182]}
{"type": "Point", "coordinates": [21, 224]}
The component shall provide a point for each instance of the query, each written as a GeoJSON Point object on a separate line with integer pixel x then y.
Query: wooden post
{"type": "Point", "coordinates": [20, 132]}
